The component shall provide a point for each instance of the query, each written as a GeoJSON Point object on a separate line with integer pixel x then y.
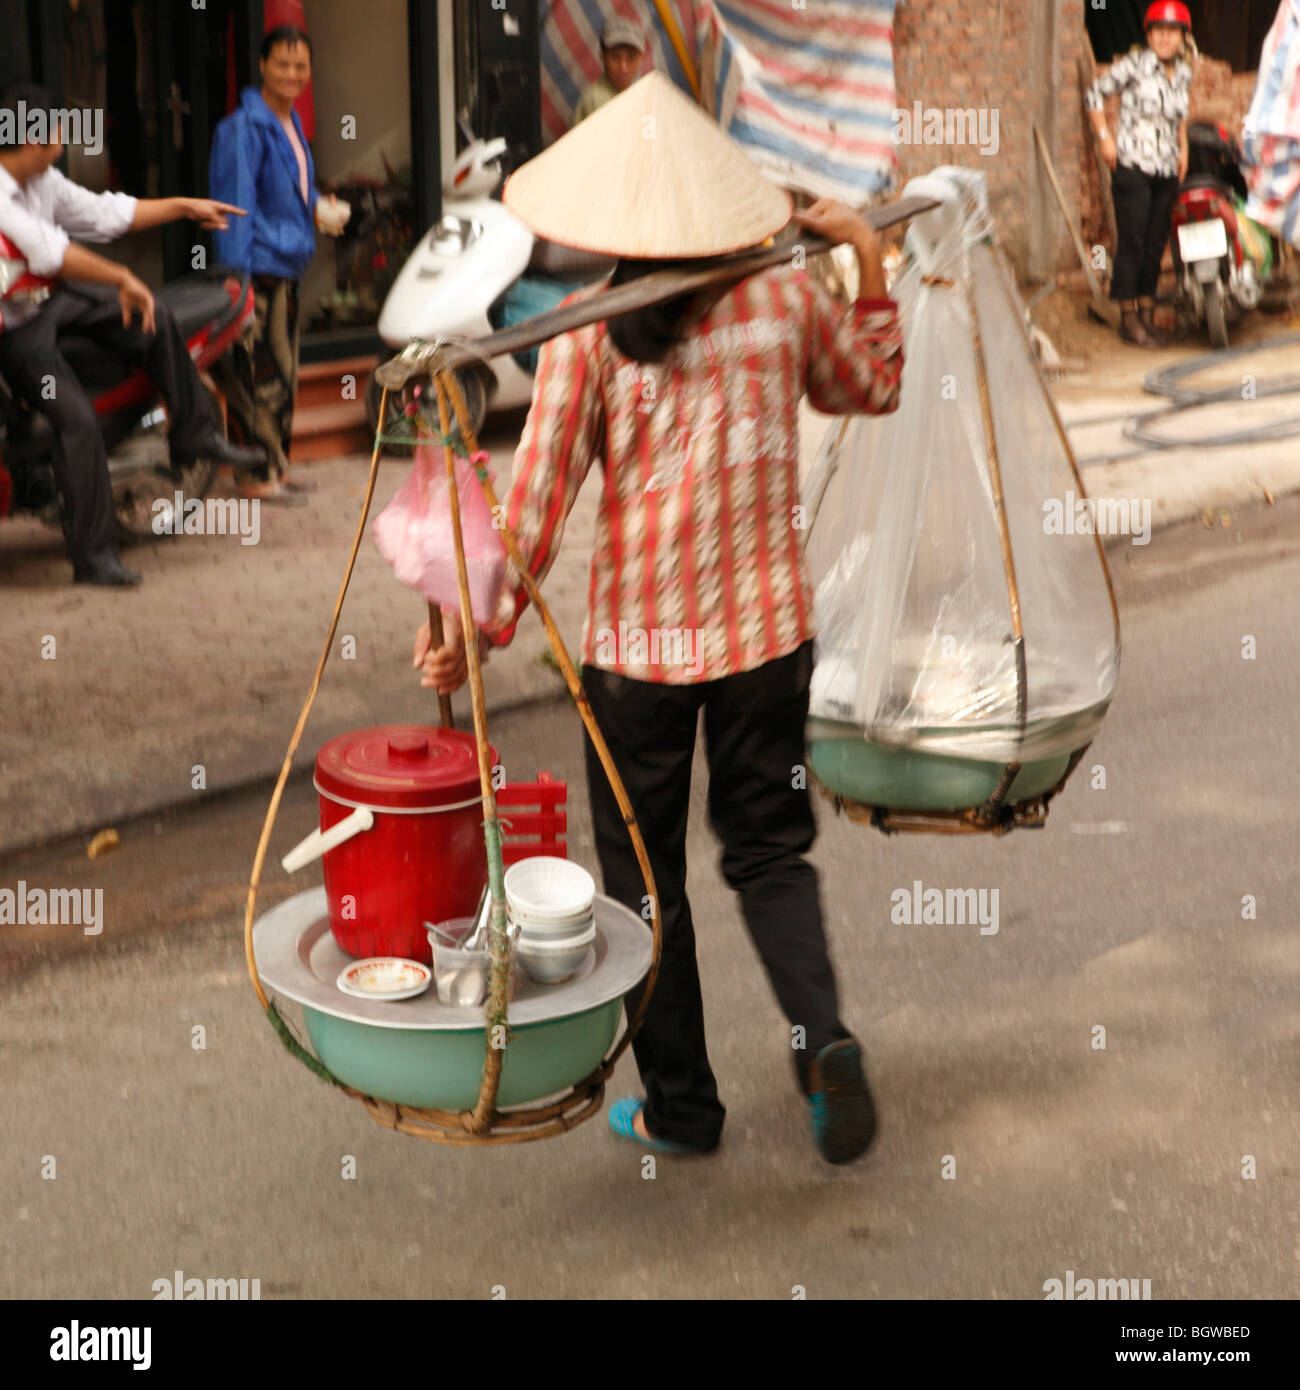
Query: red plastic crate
{"type": "Point", "coordinates": [533, 819]}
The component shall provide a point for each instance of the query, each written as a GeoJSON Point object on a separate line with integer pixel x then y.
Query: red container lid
{"type": "Point", "coordinates": [412, 766]}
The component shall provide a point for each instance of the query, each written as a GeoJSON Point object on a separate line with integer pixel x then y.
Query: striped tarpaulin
{"type": "Point", "coordinates": [1271, 142]}
{"type": "Point", "coordinates": [809, 90]}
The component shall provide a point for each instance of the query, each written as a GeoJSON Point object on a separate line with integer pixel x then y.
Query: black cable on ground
{"type": "Point", "coordinates": [1166, 381]}
{"type": "Point", "coordinates": [1169, 381]}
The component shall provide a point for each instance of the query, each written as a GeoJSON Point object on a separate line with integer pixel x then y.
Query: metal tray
{"type": "Point", "coordinates": [297, 956]}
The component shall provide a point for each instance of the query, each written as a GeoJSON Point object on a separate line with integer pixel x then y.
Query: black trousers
{"type": "Point", "coordinates": [1143, 204]}
{"type": "Point", "coordinates": [32, 364]}
{"type": "Point", "coordinates": [259, 375]}
{"type": "Point", "coordinates": [754, 735]}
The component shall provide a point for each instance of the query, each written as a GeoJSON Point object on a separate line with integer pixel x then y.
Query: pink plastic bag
{"type": "Point", "coordinates": [414, 534]}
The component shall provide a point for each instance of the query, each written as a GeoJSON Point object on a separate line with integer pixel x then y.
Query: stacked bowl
{"type": "Point", "coordinates": [551, 901]}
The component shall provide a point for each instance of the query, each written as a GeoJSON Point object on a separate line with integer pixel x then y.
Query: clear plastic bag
{"type": "Point", "coordinates": [914, 594]}
{"type": "Point", "coordinates": [414, 534]}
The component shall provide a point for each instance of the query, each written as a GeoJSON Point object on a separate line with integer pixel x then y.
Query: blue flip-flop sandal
{"type": "Point", "coordinates": [843, 1112]}
{"type": "Point", "coordinates": [621, 1116]}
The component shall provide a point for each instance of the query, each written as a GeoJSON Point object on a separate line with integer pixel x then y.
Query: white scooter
{"type": "Point", "coordinates": [466, 278]}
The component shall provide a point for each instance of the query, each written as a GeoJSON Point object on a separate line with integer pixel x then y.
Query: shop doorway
{"type": "Point", "coordinates": [162, 74]}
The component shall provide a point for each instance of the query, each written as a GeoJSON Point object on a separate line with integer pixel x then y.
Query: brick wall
{"type": "Point", "coordinates": [1221, 95]}
{"type": "Point", "coordinates": [952, 54]}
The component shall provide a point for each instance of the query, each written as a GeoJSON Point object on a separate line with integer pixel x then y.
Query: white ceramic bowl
{"type": "Point", "coordinates": [554, 927]}
{"type": "Point", "coordinates": [550, 960]}
{"type": "Point", "coordinates": [548, 889]}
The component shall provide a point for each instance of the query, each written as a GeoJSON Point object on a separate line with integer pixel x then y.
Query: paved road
{"type": "Point", "coordinates": [1124, 1163]}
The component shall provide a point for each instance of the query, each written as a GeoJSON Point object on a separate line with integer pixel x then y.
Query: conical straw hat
{"type": "Point", "coordinates": [649, 176]}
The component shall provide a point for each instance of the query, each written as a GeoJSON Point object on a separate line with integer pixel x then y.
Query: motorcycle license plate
{"type": "Point", "coordinates": [1202, 241]}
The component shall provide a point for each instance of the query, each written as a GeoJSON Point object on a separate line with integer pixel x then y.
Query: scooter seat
{"type": "Point", "coordinates": [195, 302]}
{"type": "Point", "coordinates": [1209, 181]}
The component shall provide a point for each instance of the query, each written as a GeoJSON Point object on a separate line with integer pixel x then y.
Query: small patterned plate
{"type": "Point", "coordinates": [385, 977]}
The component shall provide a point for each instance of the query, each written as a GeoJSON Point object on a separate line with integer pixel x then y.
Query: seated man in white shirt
{"type": "Point", "coordinates": [40, 211]}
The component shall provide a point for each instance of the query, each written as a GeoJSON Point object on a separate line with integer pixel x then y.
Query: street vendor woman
{"type": "Point", "coordinates": [1147, 161]}
{"type": "Point", "coordinates": [699, 595]}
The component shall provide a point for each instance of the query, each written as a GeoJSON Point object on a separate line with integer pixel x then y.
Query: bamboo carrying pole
{"type": "Point", "coordinates": [422, 359]}
{"type": "Point", "coordinates": [498, 1029]}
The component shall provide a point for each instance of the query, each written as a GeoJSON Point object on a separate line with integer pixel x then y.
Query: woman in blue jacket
{"type": "Point", "coordinates": [260, 153]}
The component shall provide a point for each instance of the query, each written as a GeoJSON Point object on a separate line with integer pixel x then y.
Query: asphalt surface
{"type": "Point", "coordinates": [1124, 913]}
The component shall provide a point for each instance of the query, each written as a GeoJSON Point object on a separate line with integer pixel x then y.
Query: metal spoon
{"type": "Point", "coordinates": [446, 936]}
{"type": "Point", "coordinates": [480, 912]}
{"type": "Point", "coordinates": [475, 939]}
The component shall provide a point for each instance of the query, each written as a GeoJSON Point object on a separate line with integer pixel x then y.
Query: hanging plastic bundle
{"type": "Point", "coordinates": [414, 534]}
{"type": "Point", "coordinates": [969, 642]}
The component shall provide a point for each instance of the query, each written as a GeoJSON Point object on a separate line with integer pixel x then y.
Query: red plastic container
{"type": "Point", "coordinates": [422, 859]}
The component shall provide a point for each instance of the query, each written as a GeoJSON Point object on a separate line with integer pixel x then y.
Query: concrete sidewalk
{"type": "Point", "coordinates": [118, 704]}
{"type": "Point", "coordinates": [1187, 481]}
{"type": "Point", "coordinates": [114, 700]}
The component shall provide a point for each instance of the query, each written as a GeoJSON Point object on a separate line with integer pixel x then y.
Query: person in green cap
{"type": "Point", "coordinates": [622, 48]}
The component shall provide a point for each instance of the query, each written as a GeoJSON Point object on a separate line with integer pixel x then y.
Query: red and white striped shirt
{"type": "Point", "coordinates": [698, 569]}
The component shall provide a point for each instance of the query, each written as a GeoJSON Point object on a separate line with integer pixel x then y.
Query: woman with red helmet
{"type": "Point", "coordinates": [1148, 158]}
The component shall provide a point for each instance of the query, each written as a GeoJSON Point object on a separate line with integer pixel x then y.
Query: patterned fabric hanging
{"type": "Point", "coordinates": [808, 91]}
{"type": "Point", "coordinates": [1271, 137]}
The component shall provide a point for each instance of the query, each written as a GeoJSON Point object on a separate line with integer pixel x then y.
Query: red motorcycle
{"type": "Point", "coordinates": [212, 310]}
{"type": "Point", "coordinates": [1222, 258]}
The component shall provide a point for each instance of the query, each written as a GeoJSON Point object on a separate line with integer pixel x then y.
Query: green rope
{"type": "Point", "coordinates": [454, 443]}
{"type": "Point", "coordinates": [497, 1012]}
{"type": "Point", "coordinates": [297, 1050]}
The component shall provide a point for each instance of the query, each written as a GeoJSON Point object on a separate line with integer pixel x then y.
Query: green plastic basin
{"type": "Point", "coordinates": [904, 780]}
{"type": "Point", "coordinates": [427, 1053]}
{"type": "Point", "coordinates": [442, 1069]}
